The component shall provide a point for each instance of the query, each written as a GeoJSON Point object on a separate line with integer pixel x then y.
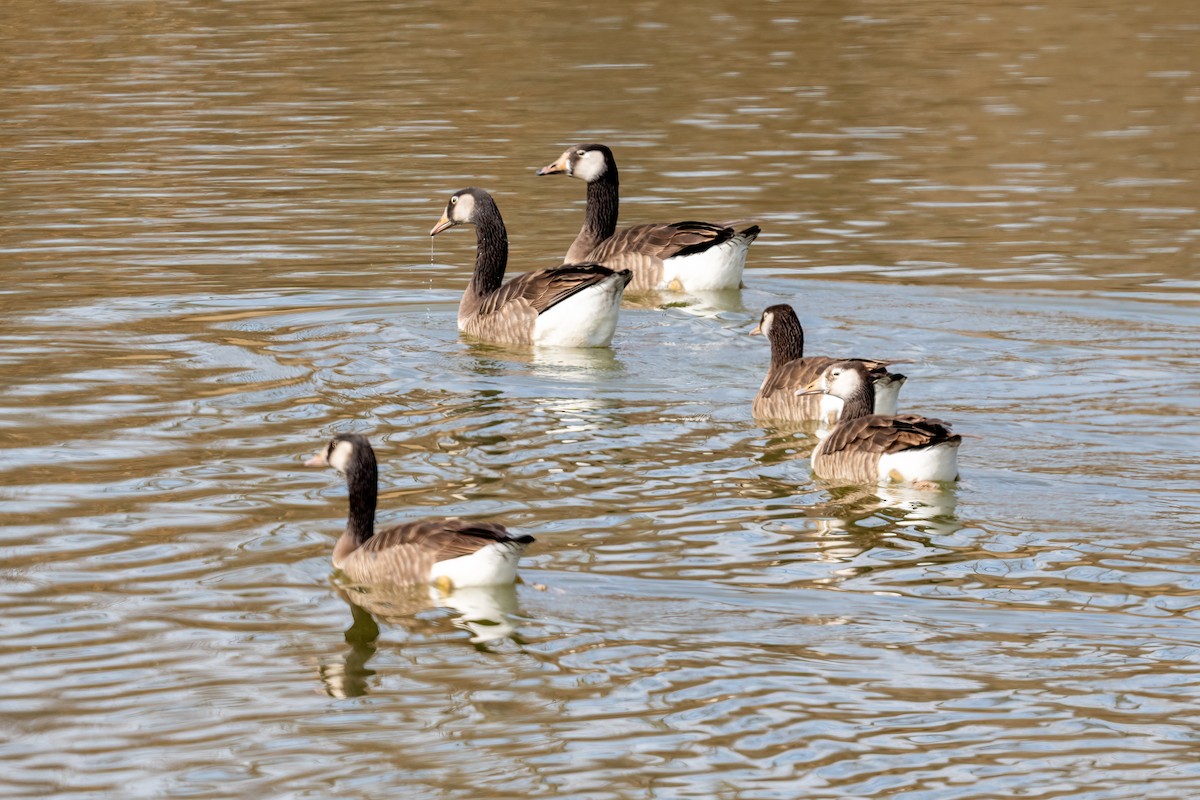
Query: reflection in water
{"type": "Point", "coordinates": [487, 613]}
{"type": "Point", "coordinates": [349, 678]}
{"type": "Point", "coordinates": [217, 244]}
{"type": "Point", "coordinates": [700, 304]}
{"type": "Point", "coordinates": [565, 364]}
{"type": "Point", "coordinates": [788, 442]}
{"type": "Point", "coordinates": [927, 510]}
{"type": "Point", "coordinates": [592, 364]}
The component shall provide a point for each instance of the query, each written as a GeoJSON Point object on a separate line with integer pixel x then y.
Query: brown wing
{"type": "Point", "coordinates": [642, 248]}
{"type": "Point", "coordinates": [447, 538]}
{"type": "Point", "coordinates": [881, 434]}
{"type": "Point", "coordinates": [795, 374]}
{"type": "Point", "coordinates": [406, 553]}
{"type": "Point", "coordinates": [545, 288]}
{"type": "Point", "coordinates": [662, 240]}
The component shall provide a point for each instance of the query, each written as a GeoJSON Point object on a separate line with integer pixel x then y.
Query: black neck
{"type": "Point", "coordinates": [491, 248]}
{"type": "Point", "coordinates": [600, 216]}
{"type": "Point", "coordinates": [362, 478]}
{"type": "Point", "coordinates": [603, 204]}
{"type": "Point", "coordinates": [787, 340]}
{"type": "Point", "coordinates": [860, 404]}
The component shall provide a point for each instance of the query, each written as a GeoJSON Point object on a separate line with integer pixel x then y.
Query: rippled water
{"type": "Point", "coordinates": [215, 248]}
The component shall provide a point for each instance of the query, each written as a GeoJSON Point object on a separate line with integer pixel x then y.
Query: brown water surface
{"type": "Point", "coordinates": [215, 251]}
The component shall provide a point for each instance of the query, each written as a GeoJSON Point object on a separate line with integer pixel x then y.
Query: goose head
{"type": "Point", "coordinates": [588, 162]}
{"type": "Point", "coordinates": [781, 316]}
{"type": "Point", "coordinates": [782, 328]}
{"type": "Point", "coordinates": [843, 380]}
{"type": "Point", "coordinates": [763, 328]}
{"type": "Point", "coordinates": [344, 452]}
{"type": "Point", "coordinates": [770, 315]}
{"type": "Point", "coordinates": [461, 209]}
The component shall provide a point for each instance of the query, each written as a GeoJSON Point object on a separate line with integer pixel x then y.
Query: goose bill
{"type": "Point", "coordinates": [442, 224]}
{"type": "Point", "coordinates": [812, 388]}
{"type": "Point", "coordinates": [556, 168]}
{"type": "Point", "coordinates": [317, 461]}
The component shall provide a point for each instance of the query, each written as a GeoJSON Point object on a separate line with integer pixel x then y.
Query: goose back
{"type": "Point", "coordinates": [416, 552]}
{"type": "Point", "coordinates": [698, 256]}
{"type": "Point", "coordinates": [516, 312]}
{"type": "Point", "coordinates": [511, 313]}
{"type": "Point", "coordinates": [862, 450]}
{"type": "Point", "coordinates": [867, 448]}
{"type": "Point", "coordinates": [687, 255]}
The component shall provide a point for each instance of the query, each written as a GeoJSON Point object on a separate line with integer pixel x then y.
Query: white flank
{"type": "Point", "coordinates": [586, 319]}
{"type": "Point", "coordinates": [887, 399]}
{"type": "Point", "coordinates": [887, 396]}
{"type": "Point", "coordinates": [938, 463]}
{"type": "Point", "coordinates": [831, 409]}
{"type": "Point", "coordinates": [712, 270]}
{"type": "Point", "coordinates": [491, 564]}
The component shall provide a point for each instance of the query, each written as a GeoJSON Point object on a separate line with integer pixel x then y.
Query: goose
{"type": "Point", "coordinates": [449, 553]}
{"type": "Point", "coordinates": [679, 256]}
{"type": "Point", "coordinates": [574, 305]}
{"type": "Point", "coordinates": [879, 448]}
{"type": "Point", "coordinates": [790, 370]}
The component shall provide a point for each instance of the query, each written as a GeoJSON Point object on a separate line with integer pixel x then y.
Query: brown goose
{"type": "Point", "coordinates": [681, 256]}
{"type": "Point", "coordinates": [790, 370]}
{"type": "Point", "coordinates": [574, 305]}
{"type": "Point", "coordinates": [449, 553]}
{"type": "Point", "coordinates": [873, 448]}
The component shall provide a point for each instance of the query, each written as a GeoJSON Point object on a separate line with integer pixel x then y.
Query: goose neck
{"type": "Point", "coordinates": [362, 480]}
{"type": "Point", "coordinates": [787, 342]}
{"type": "Point", "coordinates": [491, 250]}
{"type": "Point", "coordinates": [599, 217]}
{"type": "Point", "coordinates": [859, 403]}
{"type": "Point", "coordinates": [603, 204]}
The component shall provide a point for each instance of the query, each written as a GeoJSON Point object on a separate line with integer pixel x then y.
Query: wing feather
{"type": "Point", "coordinates": [545, 288]}
{"type": "Point", "coordinates": [883, 434]}
{"type": "Point", "coordinates": [662, 240]}
{"type": "Point", "coordinates": [406, 553]}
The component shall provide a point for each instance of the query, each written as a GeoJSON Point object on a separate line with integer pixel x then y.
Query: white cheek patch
{"type": "Point", "coordinates": [589, 167]}
{"type": "Point", "coordinates": [339, 459]}
{"type": "Point", "coordinates": [846, 383]}
{"type": "Point", "coordinates": [464, 209]}
{"type": "Point", "coordinates": [765, 325]}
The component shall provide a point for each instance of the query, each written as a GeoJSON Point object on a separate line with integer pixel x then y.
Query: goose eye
{"type": "Point", "coordinates": [453, 200]}
{"type": "Point", "coordinates": [581, 152]}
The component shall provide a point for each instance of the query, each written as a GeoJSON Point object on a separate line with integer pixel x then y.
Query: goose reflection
{"type": "Point", "coordinates": [930, 512]}
{"type": "Point", "coordinates": [485, 613]}
{"type": "Point", "coordinates": [699, 304]}
{"type": "Point", "coordinates": [562, 363]}
{"type": "Point", "coordinates": [350, 677]}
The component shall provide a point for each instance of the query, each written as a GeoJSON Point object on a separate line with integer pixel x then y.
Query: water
{"type": "Point", "coordinates": [215, 247]}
